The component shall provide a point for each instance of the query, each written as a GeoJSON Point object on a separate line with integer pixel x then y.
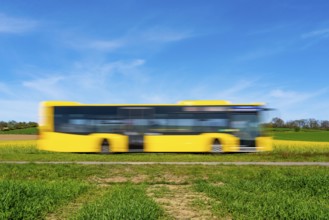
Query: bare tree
{"type": "Point", "coordinates": [314, 124]}
{"type": "Point", "coordinates": [325, 124]}
{"type": "Point", "coordinates": [277, 122]}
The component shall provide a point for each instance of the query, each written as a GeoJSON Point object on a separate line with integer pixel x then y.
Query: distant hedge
{"type": "Point", "coordinates": [13, 125]}
{"type": "Point", "coordinates": [298, 124]}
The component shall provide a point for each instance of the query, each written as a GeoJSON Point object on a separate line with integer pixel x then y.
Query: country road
{"type": "Point", "coordinates": [17, 137]}
{"type": "Point", "coordinates": [172, 163]}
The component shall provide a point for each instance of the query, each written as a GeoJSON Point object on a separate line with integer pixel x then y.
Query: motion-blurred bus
{"type": "Point", "coordinates": [188, 126]}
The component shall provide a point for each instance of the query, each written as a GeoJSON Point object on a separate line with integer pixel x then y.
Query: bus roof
{"type": "Point", "coordinates": [180, 103]}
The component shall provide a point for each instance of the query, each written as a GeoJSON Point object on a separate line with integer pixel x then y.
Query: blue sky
{"type": "Point", "coordinates": [152, 51]}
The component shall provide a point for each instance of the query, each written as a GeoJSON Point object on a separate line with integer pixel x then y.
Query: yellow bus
{"type": "Point", "coordinates": [188, 126]}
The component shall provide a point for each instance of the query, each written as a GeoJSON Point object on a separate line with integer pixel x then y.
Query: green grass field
{"type": "Point", "coordinates": [124, 201]}
{"type": "Point", "coordinates": [21, 131]}
{"type": "Point", "coordinates": [302, 135]}
{"type": "Point", "coordinates": [22, 199]}
{"type": "Point", "coordinates": [162, 191]}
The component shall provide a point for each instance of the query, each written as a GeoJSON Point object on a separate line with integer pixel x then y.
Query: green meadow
{"type": "Point", "coordinates": [32, 191]}
{"type": "Point", "coordinates": [32, 130]}
{"type": "Point", "coordinates": [303, 135]}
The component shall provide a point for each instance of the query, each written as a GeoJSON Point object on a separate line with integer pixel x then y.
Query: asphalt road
{"type": "Point", "coordinates": [173, 163]}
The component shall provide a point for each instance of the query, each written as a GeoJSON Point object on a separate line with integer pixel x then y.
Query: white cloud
{"type": "Point", "coordinates": [237, 88]}
{"type": "Point", "coordinates": [295, 104]}
{"type": "Point", "coordinates": [100, 45]}
{"type": "Point", "coordinates": [260, 53]}
{"type": "Point", "coordinates": [47, 86]}
{"type": "Point", "coordinates": [95, 74]}
{"type": "Point", "coordinates": [160, 34]}
{"type": "Point", "coordinates": [86, 81]}
{"type": "Point", "coordinates": [313, 37]}
{"type": "Point", "coordinates": [321, 33]}
{"type": "Point", "coordinates": [16, 25]}
{"type": "Point", "coordinates": [112, 82]}
{"type": "Point", "coordinates": [278, 93]}
{"type": "Point", "coordinates": [134, 38]}
{"type": "Point", "coordinates": [288, 98]}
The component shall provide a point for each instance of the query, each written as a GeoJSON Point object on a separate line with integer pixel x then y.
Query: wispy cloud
{"type": "Point", "coordinates": [94, 80]}
{"type": "Point", "coordinates": [289, 98]}
{"type": "Point", "coordinates": [47, 86]}
{"type": "Point", "coordinates": [294, 96]}
{"type": "Point", "coordinates": [135, 38]}
{"type": "Point", "coordinates": [314, 37]}
{"type": "Point", "coordinates": [292, 104]}
{"type": "Point", "coordinates": [321, 33]}
{"type": "Point", "coordinates": [16, 25]}
{"type": "Point", "coordinates": [271, 29]}
{"type": "Point", "coordinates": [240, 91]}
{"type": "Point", "coordinates": [260, 53]}
{"type": "Point", "coordinates": [238, 87]}
{"type": "Point", "coordinates": [103, 45]}
{"type": "Point", "coordinates": [161, 34]}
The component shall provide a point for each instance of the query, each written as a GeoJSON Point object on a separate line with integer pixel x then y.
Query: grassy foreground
{"type": "Point", "coordinates": [33, 200]}
{"type": "Point", "coordinates": [150, 192]}
{"type": "Point", "coordinates": [34, 191]}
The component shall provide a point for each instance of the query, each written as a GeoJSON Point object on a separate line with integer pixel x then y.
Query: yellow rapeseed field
{"type": "Point", "coordinates": [18, 143]}
{"type": "Point", "coordinates": [278, 145]}
{"type": "Point", "coordinates": [300, 146]}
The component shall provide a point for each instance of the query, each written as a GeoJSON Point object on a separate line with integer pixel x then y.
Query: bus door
{"type": "Point", "coordinates": [136, 121]}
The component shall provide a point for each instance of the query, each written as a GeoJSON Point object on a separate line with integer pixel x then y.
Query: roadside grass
{"type": "Point", "coordinates": [33, 130]}
{"type": "Point", "coordinates": [238, 192]}
{"type": "Point", "coordinates": [269, 193]}
{"type": "Point", "coordinates": [34, 199]}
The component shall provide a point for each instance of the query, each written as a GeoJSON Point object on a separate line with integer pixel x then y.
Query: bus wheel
{"type": "Point", "coordinates": [105, 147]}
{"type": "Point", "coordinates": [216, 147]}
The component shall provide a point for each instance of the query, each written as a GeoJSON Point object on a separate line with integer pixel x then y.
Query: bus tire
{"type": "Point", "coordinates": [216, 147]}
{"type": "Point", "coordinates": [105, 147]}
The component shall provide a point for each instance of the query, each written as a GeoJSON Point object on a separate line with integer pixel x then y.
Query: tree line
{"type": "Point", "coordinates": [12, 125]}
{"type": "Point", "coordinates": [310, 123]}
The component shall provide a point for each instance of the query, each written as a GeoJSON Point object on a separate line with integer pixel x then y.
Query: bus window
{"type": "Point", "coordinates": [247, 125]}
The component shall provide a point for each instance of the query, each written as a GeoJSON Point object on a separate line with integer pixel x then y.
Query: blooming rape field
{"type": "Point", "coordinates": [18, 143]}
{"type": "Point", "coordinates": [283, 150]}
{"type": "Point", "coordinates": [300, 146]}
